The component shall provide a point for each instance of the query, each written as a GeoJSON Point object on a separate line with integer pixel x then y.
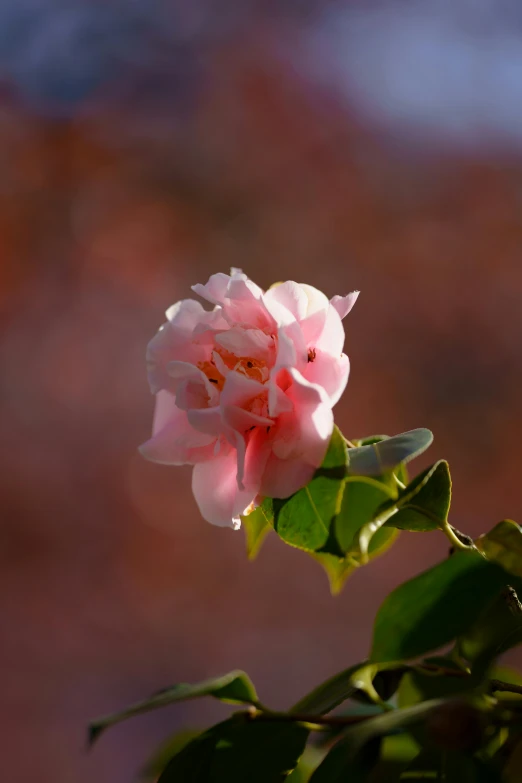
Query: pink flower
{"type": "Point", "coordinates": [244, 392]}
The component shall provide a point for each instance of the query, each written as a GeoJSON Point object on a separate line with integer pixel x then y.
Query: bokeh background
{"type": "Point", "coordinates": [144, 146]}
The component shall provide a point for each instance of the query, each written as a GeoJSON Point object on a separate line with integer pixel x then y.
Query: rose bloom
{"type": "Point", "coordinates": [244, 392]}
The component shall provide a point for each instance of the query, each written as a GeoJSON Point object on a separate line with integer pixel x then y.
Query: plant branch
{"type": "Point", "coordinates": [507, 687]}
{"type": "Point", "coordinates": [321, 721]}
{"type": "Point", "coordinates": [458, 540]}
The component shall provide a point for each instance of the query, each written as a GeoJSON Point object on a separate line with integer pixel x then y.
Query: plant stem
{"type": "Point", "coordinates": [454, 538]}
{"type": "Point", "coordinates": [320, 722]}
{"type": "Point", "coordinates": [507, 687]}
{"type": "Point", "coordinates": [301, 717]}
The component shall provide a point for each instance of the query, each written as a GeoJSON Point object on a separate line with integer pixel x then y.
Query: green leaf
{"type": "Point", "coordinates": [348, 761]}
{"type": "Point", "coordinates": [441, 766]}
{"type": "Point", "coordinates": [336, 456]}
{"type": "Point", "coordinates": [381, 456]}
{"type": "Point", "coordinates": [239, 750]}
{"type": "Point", "coordinates": [497, 629]}
{"type": "Point", "coordinates": [372, 680]}
{"type": "Point", "coordinates": [256, 525]}
{"type": "Point", "coordinates": [435, 607]}
{"type": "Point", "coordinates": [232, 688]}
{"type": "Point", "coordinates": [361, 498]}
{"type": "Point", "coordinates": [507, 674]}
{"type": "Point", "coordinates": [420, 684]}
{"type": "Point", "coordinates": [338, 569]}
{"type": "Point", "coordinates": [424, 504]}
{"type": "Point", "coordinates": [304, 520]}
{"type": "Point", "coordinates": [330, 693]}
{"type": "Point", "coordinates": [161, 757]}
{"type": "Point", "coordinates": [503, 545]}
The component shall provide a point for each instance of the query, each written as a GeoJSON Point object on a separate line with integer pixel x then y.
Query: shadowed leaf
{"type": "Point", "coordinates": [304, 520]}
{"type": "Point", "coordinates": [424, 504]}
{"type": "Point", "coordinates": [256, 525]}
{"type": "Point", "coordinates": [237, 751]}
{"type": "Point", "coordinates": [503, 545]}
{"type": "Point", "coordinates": [381, 456]}
{"type": "Point", "coordinates": [233, 688]}
{"type": "Point", "coordinates": [435, 607]}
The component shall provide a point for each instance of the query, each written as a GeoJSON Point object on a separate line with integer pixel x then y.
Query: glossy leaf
{"type": "Point", "coordinates": [449, 679]}
{"type": "Point", "coordinates": [503, 545]}
{"type": "Point", "coordinates": [368, 679]}
{"type": "Point", "coordinates": [424, 504]}
{"type": "Point", "coordinates": [441, 766]}
{"type": "Point", "coordinates": [347, 760]}
{"type": "Point", "coordinates": [256, 525]}
{"type": "Point", "coordinates": [497, 629]}
{"type": "Point", "coordinates": [381, 456]}
{"type": "Point", "coordinates": [369, 532]}
{"type": "Point", "coordinates": [329, 694]}
{"type": "Point", "coordinates": [163, 754]}
{"type": "Point", "coordinates": [304, 520]}
{"type": "Point", "coordinates": [239, 750]}
{"type": "Point", "coordinates": [337, 569]}
{"type": "Point", "coordinates": [507, 674]}
{"type": "Point", "coordinates": [232, 688]}
{"type": "Point", "coordinates": [435, 607]}
{"type": "Point", "coordinates": [362, 497]}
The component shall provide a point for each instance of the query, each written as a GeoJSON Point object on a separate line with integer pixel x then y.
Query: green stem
{"type": "Point", "coordinates": [455, 540]}
{"type": "Point", "coordinates": [321, 721]}
{"type": "Point", "coordinates": [399, 483]}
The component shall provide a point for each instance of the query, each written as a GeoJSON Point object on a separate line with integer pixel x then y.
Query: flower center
{"type": "Point", "coordinates": [212, 373]}
{"type": "Point", "coordinates": [253, 368]}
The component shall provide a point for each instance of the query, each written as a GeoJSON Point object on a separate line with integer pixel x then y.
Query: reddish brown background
{"type": "Point", "coordinates": [168, 168]}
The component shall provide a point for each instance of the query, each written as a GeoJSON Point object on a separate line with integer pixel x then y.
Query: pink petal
{"type": "Point", "coordinates": [317, 301]}
{"type": "Point", "coordinates": [215, 488]}
{"type": "Point", "coordinates": [247, 342]}
{"type": "Point", "coordinates": [215, 290]}
{"type": "Point", "coordinates": [291, 348]}
{"type": "Point", "coordinates": [244, 304]}
{"type": "Point", "coordinates": [242, 420]}
{"type": "Point", "coordinates": [207, 420]}
{"type": "Point", "coordinates": [289, 295]}
{"type": "Point", "coordinates": [239, 389]}
{"type": "Point", "coordinates": [174, 342]}
{"type": "Point", "coordinates": [329, 372]}
{"type": "Point", "coordinates": [331, 339]}
{"type": "Point", "coordinates": [282, 478]}
{"type": "Point", "coordinates": [278, 402]}
{"type": "Point", "coordinates": [343, 304]}
{"type": "Point", "coordinates": [193, 388]}
{"type": "Point", "coordinates": [305, 433]}
{"type": "Point", "coordinates": [165, 410]}
{"type": "Point", "coordinates": [176, 442]}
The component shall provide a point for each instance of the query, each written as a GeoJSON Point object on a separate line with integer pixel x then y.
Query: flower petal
{"type": "Point", "coordinates": [305, 432]}
{"type": "Point", "coordinates": [252, 343]}
{"type": "Point", "coordinates": [176, 442]}
{"type": "Point", "coordinates": [331, 339]}
{"type": "Point", "coordinates": [215, 488]}
{"type": "Point", "coordinates": [289, 295]}
{"type": "Point", "coordinates": [207, 420]}
{"type": "Point", "coordinates": [283, 477]}
{"type": "Point", "coordinates": [343, 304]}
{"type": "Point", "coordinates": [215, 290]}
{"type": "Point", "coordinates": [174, 341]}
{"type": "Point", "coordinates": [329, 372]}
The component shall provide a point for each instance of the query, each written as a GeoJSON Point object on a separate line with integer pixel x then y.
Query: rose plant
{"type": "Point", "coordinates": [244, 393]}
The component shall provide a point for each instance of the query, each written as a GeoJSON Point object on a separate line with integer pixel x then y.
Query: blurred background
{"type": "Point", "coordinates": [144, 146]}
